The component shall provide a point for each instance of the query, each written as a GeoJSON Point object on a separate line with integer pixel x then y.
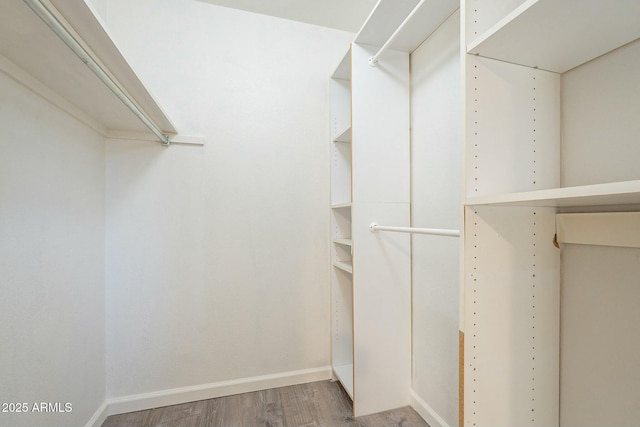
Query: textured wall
{"type": "Point", "coordinates": [218, 256]}
{"type": "Point", "coordinates": [52, 318]}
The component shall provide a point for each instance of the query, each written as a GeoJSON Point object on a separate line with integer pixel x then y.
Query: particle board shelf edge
{"type": "Point", "coordinates": [610, 194]}
{"type": "Point", "coordinates": [550, 35]}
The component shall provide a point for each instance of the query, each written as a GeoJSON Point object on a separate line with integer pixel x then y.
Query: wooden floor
{"type": "Point", "coordinates": [321, 403]}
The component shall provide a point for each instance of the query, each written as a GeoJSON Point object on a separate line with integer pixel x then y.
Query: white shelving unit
{"type": "Point", "coordinates": [370, 182]}
{"type": "Point", "coordinates": [341, 247]}
{"type": "Point", "coordinates": [33, 55]}
{"type": "Point", "coordinates": [549, 95]}
{"type": "Point", "coordinates": [369, 278]}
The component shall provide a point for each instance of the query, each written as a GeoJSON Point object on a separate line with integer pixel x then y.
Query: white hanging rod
{"type": "Point", "coordinates": [373, 61]}
{"type": "Point", "coordinates": [432, 231]}
{"type": "Point", "coordinates": [61, 31]}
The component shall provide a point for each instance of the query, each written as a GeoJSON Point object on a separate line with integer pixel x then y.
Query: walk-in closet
{"type": "Point", "coordinates": [319, 212]}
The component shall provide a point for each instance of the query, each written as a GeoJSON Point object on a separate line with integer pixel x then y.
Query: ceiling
{"type": "Point", "coordinates": [346, 15]}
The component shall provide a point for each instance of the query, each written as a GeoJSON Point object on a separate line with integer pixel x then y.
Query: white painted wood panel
{"type": "Point", "coordinates": [512, 317]}
{"type": "Point", "coordinates": [340, 106]}
{"type": "Point", "coordinates": [600, 344]}
{"type": "Point", "coordinates": [481, 15]}
{"type": "Point", "coordinates": [436, 196]}
{"type": "Point", "coordinates": [380, 133]}
{"type": "Point", "coordinates": [600, 126]}
{"type": "Point", "coordinates": [343, 70]}
{"type": "Point", "coordinates": [340, 173]}
{"type": "Point", "coordinates": [512, 128]}
{"type": "Point", "coordinates": [382, 309]}
{"type": "Point", "coordinates": [342, 320]}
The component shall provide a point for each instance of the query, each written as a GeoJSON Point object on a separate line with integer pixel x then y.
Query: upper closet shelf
{"type": "Point", "coordinates": [558, 35]}
{"type": "Point", "coordinates": [34, 55]}
{"type": "Point", "coordinates": [388, 16]}
{"type": "Point", "coordinates": [611, 194]}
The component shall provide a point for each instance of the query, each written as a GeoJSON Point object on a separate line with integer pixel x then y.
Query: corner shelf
{"type": "Point", "coordinates": [615, 193]}
{"type": "Point", "coordinates": [558, 35]}
{"type": "Point", "coordinates": [38, 59]}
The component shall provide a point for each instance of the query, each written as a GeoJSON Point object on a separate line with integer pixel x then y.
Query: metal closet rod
{"type": "Point", "coordinates": [373, 61]}
{"type": "Point", "coordinates": [59, 29]}
{"type": "Point", "coordinates": [432, 231]}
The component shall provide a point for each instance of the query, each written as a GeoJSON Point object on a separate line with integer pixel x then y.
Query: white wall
{"type": "Point", "coordinates": [436, 166]}
{"type": "Point", "coordinates": [218, 256]}
{"type": "Point", "coordinates": [52, 231]}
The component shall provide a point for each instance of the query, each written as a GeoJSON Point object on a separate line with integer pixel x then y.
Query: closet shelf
{"type": "Point", "coordinates": [32, 54]}
{"type": "Point", "coordinates": [345, 242]}
{"type": "Point", "coordinates": [558, 35]}
{"type": "Point", "coordinates": [387, 17]}
{"type": "Point", "coordinates": [344, 265]}
{"type": "Point", "coordinates": [615, 193]}
{"type": "Point", "coordinates": [344, 136]}
{"type": "Point", "coordinates": [344, 373]}
{"type": "Point", "coordinates": [343, 71]}
{"type": "Point", "coordinates": [341, 205]}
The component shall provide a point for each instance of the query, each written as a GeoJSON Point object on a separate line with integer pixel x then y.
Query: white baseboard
{"type": "Point", "coordinates": [426, 411]}
{"type": "Point", "coordinates": [99, 417]}
{"type": "Point", "coordinates": [140, 402]}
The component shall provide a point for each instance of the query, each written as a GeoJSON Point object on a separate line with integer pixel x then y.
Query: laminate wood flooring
{"type": "Point", "coordinates": [319, 404]}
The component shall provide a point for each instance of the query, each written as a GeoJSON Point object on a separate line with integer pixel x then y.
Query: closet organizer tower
{"type": "Point", "coordinates": [551, 103]}
{"type": "Point", "coordinates": [370, 183]}
{"type": "Point", "coordinates": [551, 212]}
